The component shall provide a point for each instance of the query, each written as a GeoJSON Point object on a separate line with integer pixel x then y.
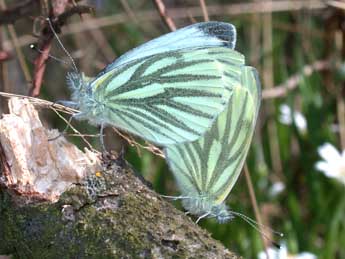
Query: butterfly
{"type": "Point", "coordinates": [166, 91]}
{"type": "Point", "coordinates": [207, 169]}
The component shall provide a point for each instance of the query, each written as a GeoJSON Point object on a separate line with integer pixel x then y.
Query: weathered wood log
{"type": "Point", "coordinates": [59, 202]}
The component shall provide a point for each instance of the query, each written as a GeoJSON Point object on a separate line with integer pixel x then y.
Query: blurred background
{"type": "Point", "coordinates": [297, 157]}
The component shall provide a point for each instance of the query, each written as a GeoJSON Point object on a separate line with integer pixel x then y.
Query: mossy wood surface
{"type": "Point", "coordinates": [113, 214]}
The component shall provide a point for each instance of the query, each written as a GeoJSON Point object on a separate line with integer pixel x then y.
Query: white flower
{"type": "Point", "coordinates": [276, 188]}
{"type": "Point", "coordinates": [274, 253]}
{"type": "Point", "coordinates": [282, 253]}
{"type": "Point", "coordinates": [333, 164]}
{"type": "Point", "coordinates": [298, 118]}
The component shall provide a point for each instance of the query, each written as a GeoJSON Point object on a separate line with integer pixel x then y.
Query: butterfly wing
{"type": "Point", "coordinates": [170, 97]}
{"type": "Point", "coordinates": [199, 35]}
{"type": "Point", "coordinates": [211, 165]}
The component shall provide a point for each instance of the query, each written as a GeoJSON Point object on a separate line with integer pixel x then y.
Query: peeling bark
{"type": "Point", "coordinates": [102, 211]}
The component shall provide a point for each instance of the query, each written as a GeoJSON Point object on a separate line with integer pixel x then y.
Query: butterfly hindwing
{"type": "Point", "coordinates": [209, 167]}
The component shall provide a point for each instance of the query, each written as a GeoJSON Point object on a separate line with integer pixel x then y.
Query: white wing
{"type": "Point", "coordinates": [199, 35]}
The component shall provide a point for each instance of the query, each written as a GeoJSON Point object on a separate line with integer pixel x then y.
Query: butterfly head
{"type": "Point", "coordinates": [76, 81]}
{"type": "Point", "coordinates": [205, 206]}
{"type": "Point", "coordinates": [79, 85]}
{"type": "Point", "coordinates": [83, 97]}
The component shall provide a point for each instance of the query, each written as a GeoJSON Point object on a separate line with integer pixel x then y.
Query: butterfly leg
{"type": "Point", "coordinates": [202, 216]}
{"type": "Point", "coordinates": [101, 135]}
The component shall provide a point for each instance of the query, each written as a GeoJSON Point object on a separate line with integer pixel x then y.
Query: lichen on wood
{"type": "Point", "coordinates": [108, 212]}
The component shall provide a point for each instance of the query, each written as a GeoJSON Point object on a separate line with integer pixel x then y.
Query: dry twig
{"type": "Point", "coordinates": [45, 44]}
{"type": "Point", "coordinates": [292, 82]}
{"type": "Point", "coordinates": [204, 10]}
{"type": "Point", "coordinates": [163, 13]}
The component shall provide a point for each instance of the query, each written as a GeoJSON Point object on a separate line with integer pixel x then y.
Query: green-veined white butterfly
{"type": "Point", "coordinates": [207, 169]}
{"type": "Point", "coordinates": [167, 91]}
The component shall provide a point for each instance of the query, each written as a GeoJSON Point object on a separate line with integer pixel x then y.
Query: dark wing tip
{"type": "Point", "coordinates": [222, 30]}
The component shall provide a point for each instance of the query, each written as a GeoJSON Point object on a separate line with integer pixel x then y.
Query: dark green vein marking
{"type": "Point", "coordinates": [145, 123]}
{"type": "Point", "coordinates": [188, 109]}
{"type": "Point", "coordinates": [149, 80]}
{"type": "Point", "coordinates": [179, 65]}
{"type": "Point", "coordinates": [187, 174]}
{"type": "Point", "coordinates": [116, 73]}
{"type": "Point", "coordinates": [123, 118]}
{"type": "Point", "coordinates": [165, 116]}
{"type": "Point", "coordinates": [193, 159]}
{"type": "Point", "coordinates": [150, 118]}
{"type": "Point", "coordinates": [144, 66]}
{"type": "Point", "coordinates": [226, 183]}
{"type": "Point", "coordinates": [224, 160]}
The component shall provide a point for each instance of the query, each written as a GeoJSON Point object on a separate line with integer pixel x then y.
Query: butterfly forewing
{"type": "Point", "coordinates": [199, 35]}
{"type": "Point", "coordinates": [168, 90]}
{"type": "Point", "coordinates": [170, 97]}
{"type": "Point", "coordinates": [211, 165]}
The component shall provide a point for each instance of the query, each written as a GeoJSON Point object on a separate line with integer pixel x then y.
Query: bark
{"type": "Point", "coordinates": [59, 202]}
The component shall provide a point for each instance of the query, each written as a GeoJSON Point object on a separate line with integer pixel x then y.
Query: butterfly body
{"type": "Point", "coordinates": [207, 169]}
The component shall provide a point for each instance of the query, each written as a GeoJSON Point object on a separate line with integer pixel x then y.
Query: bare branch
{"type": "Point", "coordinates": [4, 55]}
{"type": "Point", "coordinates": [204, 10]}
{"type": "Point", "coordinates": [163, 13]}
{"type": "Point", "coordinates": [21, 10]}
{"type": "Point", "coordinates": [46, 41]}
{"type": "Point", "coordinates": [292, 82]}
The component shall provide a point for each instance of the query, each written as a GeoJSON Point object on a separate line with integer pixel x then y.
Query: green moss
{"type": "Point", "coordinates": [113, 215]}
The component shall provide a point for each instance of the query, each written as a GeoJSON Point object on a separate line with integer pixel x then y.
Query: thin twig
{"type": "Point", "coordinates": [102, 42]}
{"type": "Point", "coordinates": [292, 82]}
{"type": "Point", "coordinates": [41, 103]}
{"type": "Point", "coordinates": [341, 119]}
{"type": "Point", "coordinates": [204, 10]}
{"type": "Point", "coordinates": [22, 9]}
{"type": "Point", "coordinates": [180, 13]}
{"type": "Point", "coordinates": [129, 11]}
{"type": "Point", "coordinates": [153, 149]}
{"type": "Point", "coordinates": [19, 52]}
{"type": "Point", "coordinates": [58, 107]}
{"type": "Point", "coordinates": [45, 43]}
{"type": "Point", "coordinates": [268, 84]}
{"type": "Point", "coordinates": [4, 56]}
{"type": "Point", "coordinates": [336, 4]}
{"type": "Point", "coordinates": [74, 129]}
{"type": "Point", "coordinates": [255, 205]}
{"type": "Point", "coordinates": [229, 9]}
{"type": "Point", "coordinates": [163, 13]}
{"type": "Point", "coordinates": [191, 18]}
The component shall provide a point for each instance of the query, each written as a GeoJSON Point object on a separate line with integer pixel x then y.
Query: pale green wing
{"type": "Point", "coordinates": [198, 35]}
{"type": "Point", "coordinates": [210, 166]}
{"type": "Point", "coordinates": [171, 97]}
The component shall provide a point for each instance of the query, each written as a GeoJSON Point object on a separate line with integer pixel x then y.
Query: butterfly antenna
{"type": "Point", "coordinates": [32, 46]}
{"type": "Point", "coordinates": [256, 223]}
{"type": "Point", "coordinates": [61, 45]}
{"type": "Point", "coordinates": [256, 226]}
